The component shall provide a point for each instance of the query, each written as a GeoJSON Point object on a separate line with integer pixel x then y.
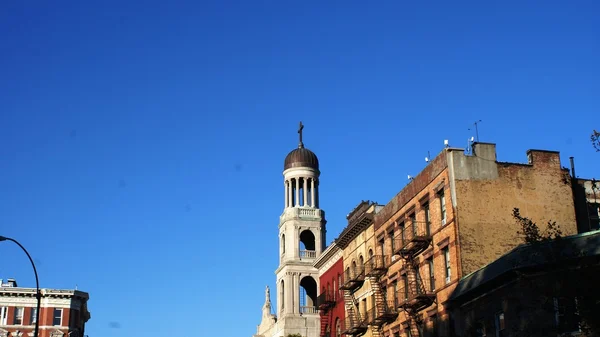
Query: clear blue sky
{"type": "Point", "coordinates": [142, 143]}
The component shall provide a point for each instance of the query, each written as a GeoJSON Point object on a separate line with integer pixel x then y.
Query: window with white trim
{"type": "Point", "coordinates": [57, 317]}
{"type": "Point", "coordinates": [3, 315]}
{"type": "Point", "coordinates": [500, 327]}
{"type": "Point", "coordinates": [446, 253]}
{"type": "Point", "coordinates": [18, 319]}
{"type": "Point", "coordinates": [33, 316]}
{"type": "Point", "coordinates": [442, 206]}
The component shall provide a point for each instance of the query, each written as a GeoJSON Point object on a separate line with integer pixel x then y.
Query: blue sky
{"type": "Point", "coordinates": [142, 143]}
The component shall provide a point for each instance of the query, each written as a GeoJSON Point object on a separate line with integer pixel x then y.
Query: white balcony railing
{"type": "Point", "coordinates": [308, 310]}
{"type": "Point", "coordinates": [301, 213]}
{"type": "Point", "coordinates": [308, 254]}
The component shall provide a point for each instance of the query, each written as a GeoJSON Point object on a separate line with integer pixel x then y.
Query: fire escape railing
{"type": "Point", "coordinates": [354, 277]}
{"type": "Point", "coordinates": [413, 238]}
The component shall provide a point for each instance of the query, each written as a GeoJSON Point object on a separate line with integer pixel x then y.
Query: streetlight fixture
{"type": "Point", "coordinates": [37, 284]}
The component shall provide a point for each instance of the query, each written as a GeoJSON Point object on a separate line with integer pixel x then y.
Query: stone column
{"type": "Point", "coordinates": [312, 192]}
{"type": "Point", "coordinates": [297, 186]}
{"type": "Point", "coordinates": [285, 197]}
{"type": "Point", "coordinates": [304, 189]}
{"type": "Point", "coordinates": [296, 293]}
{"type": "Point", "coordinates": [289, 191]}
{"type": "Point", "coordinates": [317, 194]}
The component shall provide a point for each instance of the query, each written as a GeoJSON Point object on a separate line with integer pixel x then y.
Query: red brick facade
{"type": "Point", "coordinates": [333, 313]}
{"type": "Point", "coordinates": [62, 313]}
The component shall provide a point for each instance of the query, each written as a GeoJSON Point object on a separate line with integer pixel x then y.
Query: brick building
{"type": "Point", "coordinates": [455, 217]}
{"type": "Point", "coordinates": [586, 195]}
{"type": "Point", "coordinates": [330, 301]}
{"type": "Point", "coordinates": [62, 312]}
{"type": "Point", "coordinates": [364, 298]}
{"type": "Point", "coordinates": [541, 289]}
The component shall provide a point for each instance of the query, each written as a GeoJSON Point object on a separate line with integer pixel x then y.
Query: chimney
{"type": "Point", "coordinates": [572, 167]}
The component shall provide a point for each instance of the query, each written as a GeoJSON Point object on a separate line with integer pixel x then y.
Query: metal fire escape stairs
{"type": "Point", "coordinates": [419, 297]}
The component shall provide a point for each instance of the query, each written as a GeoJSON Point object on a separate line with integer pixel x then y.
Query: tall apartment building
{"type": "Point", "coordinates": [330, 301]}
{"type": "Point", "coordinates": [454, 217]}
{"type": "Point", "coordinates": [365, 298]}
{"type": "Point", "coordinates": [62, 312]}
{"type": "Point", "coordinates": [301, 242]}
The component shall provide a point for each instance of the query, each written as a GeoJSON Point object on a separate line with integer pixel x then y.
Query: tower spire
{"type": "Point", "coordinates": [300, 144]}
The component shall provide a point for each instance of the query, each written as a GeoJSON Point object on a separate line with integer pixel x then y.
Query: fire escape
{"type": "Point", "coordinates": [415, 295]}
{"type": "Point", "coordinates": [383, 311]}
{"type": "Point", "coordinates": [325, 302]}
{"type": "Point", "coordinates": [354, 278]}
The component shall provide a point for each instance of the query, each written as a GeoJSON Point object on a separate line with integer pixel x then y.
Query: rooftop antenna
{"type": "Point", "coordinates": [476, 130]}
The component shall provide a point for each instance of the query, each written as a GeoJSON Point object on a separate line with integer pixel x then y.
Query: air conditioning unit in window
{"type": "Point", "coordinates": [444, 222]}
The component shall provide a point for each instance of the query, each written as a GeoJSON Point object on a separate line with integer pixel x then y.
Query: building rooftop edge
{"type": "Point", "coordinates": [46, 292]}
{"type": "Point", "coordinates": [327, 254]}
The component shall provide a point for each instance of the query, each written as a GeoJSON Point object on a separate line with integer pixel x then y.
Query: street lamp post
{"type": "Point", "coordinates": [37, 284]}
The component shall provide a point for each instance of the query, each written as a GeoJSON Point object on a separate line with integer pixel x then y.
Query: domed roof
{"type": "Point", "coordinates": [301, 157]}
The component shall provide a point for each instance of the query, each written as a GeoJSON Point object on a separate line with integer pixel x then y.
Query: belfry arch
{"type": "Point", "coordinates": [308, 295]}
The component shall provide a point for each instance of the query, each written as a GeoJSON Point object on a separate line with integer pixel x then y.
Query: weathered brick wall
{"type": "Point", "coordinates": [484, 206]}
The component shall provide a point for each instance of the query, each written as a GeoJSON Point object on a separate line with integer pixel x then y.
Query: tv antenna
{"type": "Point", "coordinates": [476, 130]}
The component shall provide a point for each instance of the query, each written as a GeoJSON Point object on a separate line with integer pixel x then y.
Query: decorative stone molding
{"type": "Point", "coordinates": [3, 333]}
{"type": "Point", "coordinates": [57, 333]}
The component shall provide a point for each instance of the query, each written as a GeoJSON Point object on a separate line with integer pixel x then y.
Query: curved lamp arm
{"type": "Point", "coordinates": [37, 283]}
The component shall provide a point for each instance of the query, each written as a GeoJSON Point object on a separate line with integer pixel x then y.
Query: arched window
{"type": "Point", "coordinates": [282, 295]}
{"type": "Point", "coordinates": [338, 328]}
{"type": "Point", "coordinates": [282, 243]}
{"type": "Point", "coordinates": [361, 263]}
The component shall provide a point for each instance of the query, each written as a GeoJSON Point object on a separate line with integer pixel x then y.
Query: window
{"type": "Point", "coordinates": [395, 292]}
{"type": "Point", "coordinates": [392, 243]}
{"type": "Point", "coordinates": [405, 284]}
{"type": "Point", "coordinates": [382, 246]}
{"type": "Point", "coordinates": [480, 329]}
{"type": "Point", "coordinates": [566, 315]}
{"type": "Point", "coordinates": [18, 319]}
{"type": "Point", "coordinates": [57, 316]}
{"type": "Point", "coordinates": [334, 291]}
{"type": "Point", "coordinates": [402, 234]}
{"type": "Point", "coordinates": [442, 206]}
{"type": "Point", "coordinates": [427, 217]}
{"type": "Point", "coordinates": [340, 284]}
{"type": "Point", "coordinates": [33, 316]}
{"type": "Point", "coordinates": [413, 223]}
{"type": "Point", "coordinates": [431, 274]}
{"type": "Point", "coordinates": [594, 215]}
{"type": "Point", "coordinates": [446, 253]}
{"type": "Point", "coordinates": [338, 328]}
{"type": "Point", "coordinates": [3, 315]}
{"type": "Point", "coordinates": [500, 324]}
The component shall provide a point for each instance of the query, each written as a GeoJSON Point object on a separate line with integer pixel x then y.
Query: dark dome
{"type": "Point", "coordinates": [301, 157]}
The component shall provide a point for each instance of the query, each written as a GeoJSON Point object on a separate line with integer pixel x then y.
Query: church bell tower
{"type": "Point", "coordinates": [301, 241]}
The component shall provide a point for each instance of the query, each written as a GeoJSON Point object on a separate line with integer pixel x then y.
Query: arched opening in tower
{"type": "Point", "coordinates": [308, 295]}
{"type": "Point", "coordinates": [307, 244]}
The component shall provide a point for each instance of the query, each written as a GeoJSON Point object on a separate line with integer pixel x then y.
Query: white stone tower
{"type": "Point", "coordinates": [301, 241]}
